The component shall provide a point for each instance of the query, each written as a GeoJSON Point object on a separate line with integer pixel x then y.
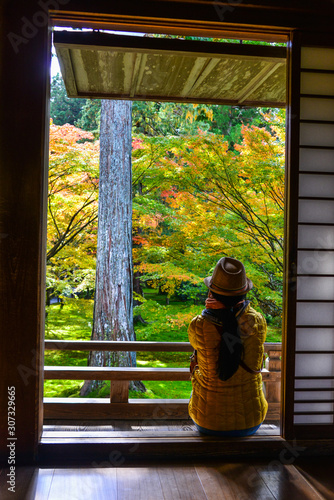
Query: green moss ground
{"type": "Point", "coordinates": [166, 323]}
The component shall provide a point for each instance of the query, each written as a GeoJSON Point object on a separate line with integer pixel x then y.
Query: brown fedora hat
{"type": "Point", "coordinates": [229, 278]}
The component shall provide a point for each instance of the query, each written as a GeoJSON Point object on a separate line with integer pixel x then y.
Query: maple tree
{"type": "Point", "coordinates": [72, 208]}
{"type": "Point", "coordinates": [195, 198]}
{"type": "Point", "coordinates": [215, 201]}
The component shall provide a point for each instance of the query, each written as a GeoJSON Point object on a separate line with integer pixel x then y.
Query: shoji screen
{"type": "Point", "coordinates": [314, 361]}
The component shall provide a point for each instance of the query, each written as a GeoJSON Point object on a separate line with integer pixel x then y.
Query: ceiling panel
{"type": "Point", "coordinates": [105, 66]}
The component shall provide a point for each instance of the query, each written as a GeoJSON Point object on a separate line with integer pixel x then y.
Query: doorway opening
{"type": "Point", "coordinates": [227, 190]}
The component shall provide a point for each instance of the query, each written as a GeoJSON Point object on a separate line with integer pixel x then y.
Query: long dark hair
{"type": "Point", "coordinates": [231, 347]}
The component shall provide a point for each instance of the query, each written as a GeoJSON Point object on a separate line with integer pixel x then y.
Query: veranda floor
{"type": "Point", "coordinates": [216, 480]}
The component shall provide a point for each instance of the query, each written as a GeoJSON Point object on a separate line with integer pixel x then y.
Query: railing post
{"type": "Point", "coordinates": [273, 389]}
{"type": "Point", "coordinates": [119, 391]}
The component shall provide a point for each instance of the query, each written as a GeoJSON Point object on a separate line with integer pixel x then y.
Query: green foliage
{"type": "Point", "coordinates": [71, 321]}
{"type": "Point", "coordinates": [164, 389]}
{"type": "Point", "coordinates": [165, 323]}
{"type": "Point", "coordinates": [83, 113]}
{"type": "Point", "coordinates": [169, 118]}
{"type": "Point", "coordinates": [90, 117]}
{"type": "Point", "coordinates": [218, 40]}
{"type": "Point", "coordinates": [199, 200]}
{"type": "Point", "coordinates": [62, 108]}
{"type": "Point", "coordinates": [228, 121]}
{"type": "Point", "coordinates": [161, 119]}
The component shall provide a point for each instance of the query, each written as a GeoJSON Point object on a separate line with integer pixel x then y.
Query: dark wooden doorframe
{"type": "Point", "coordinates": [24, 90]}
{"type": "Point", "coordinates": [290, 236]}
{"type": "Point", "coordinates": [290, 233]}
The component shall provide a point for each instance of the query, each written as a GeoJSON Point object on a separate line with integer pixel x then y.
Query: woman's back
{"type": "Point", "coordinates": [237, 403]}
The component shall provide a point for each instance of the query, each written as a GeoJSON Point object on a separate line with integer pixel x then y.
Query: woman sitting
{"type": "Point", "coordinates": [227, 397]}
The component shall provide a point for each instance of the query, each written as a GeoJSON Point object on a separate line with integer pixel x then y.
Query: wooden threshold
{"type": "Point", "coordinates": [145, 448]}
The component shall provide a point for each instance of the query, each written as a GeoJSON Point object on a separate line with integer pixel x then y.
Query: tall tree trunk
{"type": "Point", "coordinates": [113, 307]}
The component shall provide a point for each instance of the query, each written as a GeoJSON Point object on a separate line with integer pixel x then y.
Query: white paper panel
{"type": "Point", "coordinates": [313, 407]}
{"type": "Point", "coordinates": [315, 134]}
{"type": "Point", "coordinates": [315, 339]}
{"type": "Point", "coordinates": [314, 365]}
{"type": "Point", "coordinates": [319, 160]}
{"type": "Point", "coordinates": [315, 262]}
{"type": "Point", "coordinates": [314, 395]}
{"type": "Point", "coordinates": [316, 210]}
{"type": "Point", "coordinates": [315, 288]}
{"type": "Point", "coordinates": [316, 237]}
{"type": "Point", "coordinates": [316, 185]}
{"type": "Point", "coordinates": [313, 419]}
{"type": "Point", "coordinates": [317, 83]}
{"type": "Point", "coordinates": [317, 58]}
{"type": "Point", "coordinates": [316, 109]}
{"type": "Point", "coordinates": [315, 314]}
{"type": "Point", "coordinates": [308, 384]}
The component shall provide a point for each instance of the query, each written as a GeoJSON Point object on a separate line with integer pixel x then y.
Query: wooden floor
{"type": "Point", "coordinates": [258, 480]}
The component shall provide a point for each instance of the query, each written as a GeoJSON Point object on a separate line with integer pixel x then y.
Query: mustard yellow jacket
{"type": "Point", "coordinates": [239, 402]}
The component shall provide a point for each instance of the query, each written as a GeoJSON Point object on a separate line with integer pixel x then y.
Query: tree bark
{"type": "Point", "coordinates": [113, 304]}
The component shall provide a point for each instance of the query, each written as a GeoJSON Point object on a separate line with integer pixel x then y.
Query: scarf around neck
{"type": "Point", "coordinates": [215, 311]}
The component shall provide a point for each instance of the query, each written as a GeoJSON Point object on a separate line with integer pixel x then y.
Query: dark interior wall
{"type": "Point", "coordinates": [24, 76]}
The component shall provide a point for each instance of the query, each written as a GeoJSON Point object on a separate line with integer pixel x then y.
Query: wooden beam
{"type": "Point", "coordinates": [109, 345]}
{"type": "Point", "coordinates": [135, 346]}
{"type": "Point", "coordinates": [66, 67]}
{"type": "Point", "coordinates": [93, 40]}
{"type": "Point", "coordinates": [214, 30]}
{"type": "Point", "coordinates": [178, 98]}
{"type": "Point", "coordinates": [114, 373]}
{"type": "Point", "coordinates": [128, 373]}
{"type": "Point", "coordinates": [151, 409]}
{"type": "Point", "coordinates": [95, 409]}
{"type": "Point", "coordinates": [140, 450]}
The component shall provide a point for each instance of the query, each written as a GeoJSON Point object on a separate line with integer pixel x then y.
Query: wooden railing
{"type": "Point", "coordinates": [120, 406]}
